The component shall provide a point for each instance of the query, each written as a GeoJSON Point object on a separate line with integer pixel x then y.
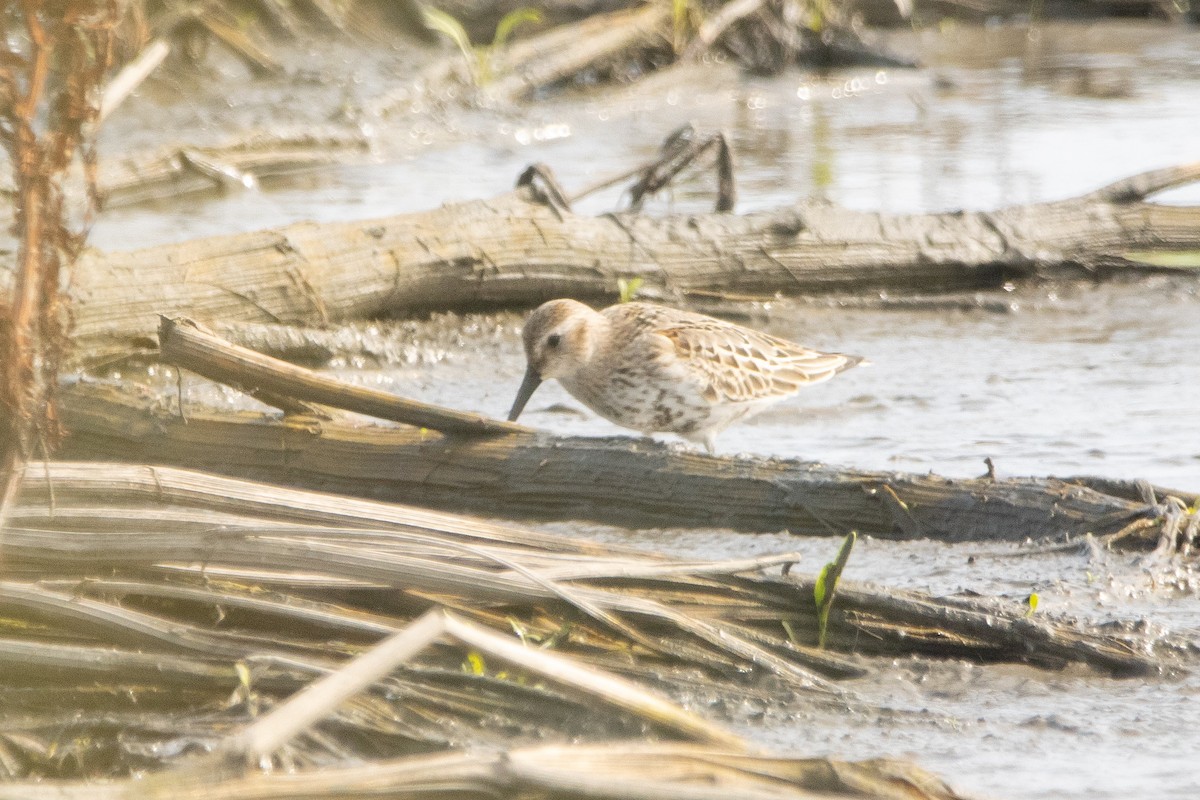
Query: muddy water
{"type": "Point", "coordinates": [1044, 380]}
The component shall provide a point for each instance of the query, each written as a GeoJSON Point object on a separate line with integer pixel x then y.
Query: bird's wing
{"type": "Point", "coordinates": [741, 365]}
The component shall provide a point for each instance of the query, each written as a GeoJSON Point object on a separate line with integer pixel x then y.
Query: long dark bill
{"type": "Point", "coordinates": [528, 387]}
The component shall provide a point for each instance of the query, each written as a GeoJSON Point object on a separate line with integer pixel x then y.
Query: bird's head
{"type": "Point", "coordinates": [560, 337]}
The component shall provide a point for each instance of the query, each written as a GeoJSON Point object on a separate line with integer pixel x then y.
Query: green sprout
{"type": "Point", "coordinates": [1032, 602]}
{"type": "Point", "coordinates": [627, 289]}
{"type": "Point", "coordinates": [480, 60]}
{"type": "Point", "coordinates": [681, 11]}
{"type": "Point", "coordinates": [474, 665]}
{"type": "Point", "coordinates": [826, 585]}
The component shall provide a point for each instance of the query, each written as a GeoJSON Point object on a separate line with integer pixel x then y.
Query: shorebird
{"type": "Point", "coordinates": [657, 369]}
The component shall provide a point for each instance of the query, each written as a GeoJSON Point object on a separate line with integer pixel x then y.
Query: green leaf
{"type": "Point", "coordinates": [826, 585]}
{"type": "Point", "coordinates": [243, 673]}
{"type": "Point", "coordinates": [448, 26]}
{"type": "Point", "coordinates": [1032, 602]}
{"type": "Point", "coordinates": [474, 665]}
{"type": "Point", "coordinates": [509, 23]}
{"type": "Point", "coordinates": [819, 588]}
{"type": "Point", "coordinates": [628, 289]}
{"type": "Point", "coordinates": [679, 19]}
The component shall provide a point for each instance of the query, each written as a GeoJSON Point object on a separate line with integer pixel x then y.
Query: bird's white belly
{"type": "Point", "coordinates": [651, 407]}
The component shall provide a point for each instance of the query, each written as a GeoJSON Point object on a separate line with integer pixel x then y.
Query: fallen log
{"type": "Point", "coordinates": [513, 250]}
{"type": "Point", "coordinates": [630, 482]}
{"type": "Point", "coordinates": [157, 532]}
{"type": "Point", "coordinates": [153, 612]}
{"type": "Point", "coordinates": [184, 169]}
{"type": "Point", "coordinates": [191, 346]}
{"type": "Point", "coordinates": [618, 769]}
{"type": "Point", "coordinates": [628, 43]}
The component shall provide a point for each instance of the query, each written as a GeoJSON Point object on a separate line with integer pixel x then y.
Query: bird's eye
{"type": "Point", "coordinates": [553, 339]}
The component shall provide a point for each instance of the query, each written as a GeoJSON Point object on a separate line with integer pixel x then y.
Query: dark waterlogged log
{"type": "Point", "coordinates": [513, 250]}
{"type": "Point", "coordinates": [621, 481]}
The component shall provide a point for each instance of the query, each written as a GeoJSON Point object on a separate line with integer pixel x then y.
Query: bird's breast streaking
{"type": "Point", "coordinates": [658, 369]}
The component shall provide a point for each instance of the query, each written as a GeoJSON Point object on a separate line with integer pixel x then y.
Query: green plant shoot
{"type": "Point", "coordinates": [826, 585]}
{"type": "Point", "coordinates": [243, 673]}
{"type": "Point", "coordinates": [474, 665]}
{"type": "Point", "coordinates": [509, 23]}
{"type": "Point", "coordinates": [448, 26]}
{"type": "Point", "coordinates": [479, 60]}
{"type": "Point", "coordinates": [628, 289]}
{"type": "Point", "coordinates": [679, 15]}
{"type": "Point", "coordinates": [485, 57]}
{"type": "Point", "coordinates": [1032, 602]}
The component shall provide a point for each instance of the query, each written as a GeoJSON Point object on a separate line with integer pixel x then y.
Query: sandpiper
{"type": "Point", "coordinates": [658, 369]}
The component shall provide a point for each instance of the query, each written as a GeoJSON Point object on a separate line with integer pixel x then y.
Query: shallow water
{"type": "Point", "coordinates": [1005, 731]}
{"type": "Point", "coordinates": [1063, 379]}
{"type": "Point", "coordinates": [997, 117]}
{"type": "Point", "coordinates": [1073, 380]}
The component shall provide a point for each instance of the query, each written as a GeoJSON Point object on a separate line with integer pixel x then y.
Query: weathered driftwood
{"type": "Point", "coordinates": [520, 69]}
{"type": "Point", "coordinates": [621, 481]}
{"type": "Point", "coordinates": [152, 612]}
{"type": "Point", "coordinates": [140, 523]}
{"type": "Point", "coordinates": [513, 250]}
{"type": "Point", "coordinates": [541, 61]}
{"type": "Point", "coordinates": [628, 43]}
{"type": "Point", "coordinates": [623, 769]}
{"type": "Point", "coordinates": [240, 163]}
{"type": "Point", "coordinates": [192, 347]}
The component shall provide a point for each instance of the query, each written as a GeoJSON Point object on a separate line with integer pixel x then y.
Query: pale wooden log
{"type": "Point", "coordinates": [621, 481]}
{"type": "Point", "coordinates": [634, 770]}
{"type": "Point", "coordinates": [189, 346]}
{"type": "Point", "coordinates": [512, 250]}
{"type": "Point", "coordinates": [541, 61]}
{"type": "Point", "coordinates": [128, 181]}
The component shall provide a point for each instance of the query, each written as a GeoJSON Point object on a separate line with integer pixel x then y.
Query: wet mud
{"type": "Point", "coordinates": [1045, 380]}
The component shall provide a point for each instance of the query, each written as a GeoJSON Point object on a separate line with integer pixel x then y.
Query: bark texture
{"type": "Point", "coordinates": [619, 481]}
{"type": "Point", "coordinates": [513, 250]}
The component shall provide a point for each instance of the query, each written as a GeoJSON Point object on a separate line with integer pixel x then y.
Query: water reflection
{"type": "Point", "coordinates": [996, 118]}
